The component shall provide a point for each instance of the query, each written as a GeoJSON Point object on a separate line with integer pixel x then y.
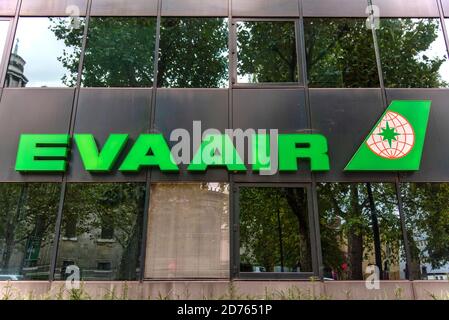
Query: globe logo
{"type": "Point", "coordinates": [393, 138]}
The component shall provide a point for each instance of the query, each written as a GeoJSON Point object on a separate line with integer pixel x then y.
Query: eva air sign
{"type": "Point", "coordinates": [394, 144]}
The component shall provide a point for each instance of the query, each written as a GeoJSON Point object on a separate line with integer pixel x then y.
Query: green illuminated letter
{"type": "Point", "coordinates": [104, 160]}
{"type": "Point", "coordinates": [42, 152]}
{"type": "Point", "coordinates": [217, 150]}
{"type": "Point", "coordinates": [149, 150]}
{"type": "Point", "coordinates": [303, 146]}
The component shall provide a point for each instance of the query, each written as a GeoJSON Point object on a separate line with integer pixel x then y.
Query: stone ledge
{"type": "Point", "coordinates": [223, 289]}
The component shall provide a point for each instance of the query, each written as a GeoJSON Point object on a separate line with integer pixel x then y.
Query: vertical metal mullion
{"type": "Point", "coordinates": [54, 250]}
{"type": "Point", "coordinates": [314, 231]}
{"type": "Point", "coordinates": [143, 250]}
{"type": "Point", "coordinates": [143, 246]}
{"type": "Point", "coordinates": [408, 256]}
{"type": "Point", "coordinates": [378, 58]}
{"type": "Point", "coordinates": [315, 236]}
{"type": "Point", "coordinates": [234, 229]}
{"type": "Point", "coordinates": [9, 46]}
{"type": "Point", "coordinates": [232, 71]}
{"type": "Point", "coordinates": [443, 24]}
{"type": "Point", "coordinates": [232, 52]}
{"type": "Point", "coordinates": [54, 253]}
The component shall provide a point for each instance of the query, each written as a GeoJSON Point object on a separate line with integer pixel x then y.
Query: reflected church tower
{"type": "Point", "coordinates": [15, 75]}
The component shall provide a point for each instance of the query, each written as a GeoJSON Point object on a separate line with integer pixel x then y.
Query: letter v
{"type": "Point", "coordinates": [104, 160]}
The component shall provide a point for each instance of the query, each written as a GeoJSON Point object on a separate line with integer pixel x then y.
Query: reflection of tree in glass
{"type": "Point", "coordinates": [348, 217]}
{"type": "Point", "coordinates": [267, 52]}
{"type": "Point", "coordinates": [426, 208]}
{"type": "Point", "coordinates": [405, 46]}
{"type": "Point", "coordinates": [27, 220]}
{"type": "Point", "coordinates": [116, 207]}
{"type": "Point", "coordinates": [274, 230]}
{"type": "Point", "coordinates": [120, 52]}
{"type": "Point", "coordinates": [73, 38]}
{"type": "Point", "coordinates": [193, 53]}
{"type": "Point", "coordinates": [340, 53]}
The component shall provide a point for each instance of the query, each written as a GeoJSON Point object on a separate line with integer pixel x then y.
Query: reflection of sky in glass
{"type": "Point", "coordinates": [4, 25]}
{"type": "Point", "coordinates": [414, 29]}
{"type": "Point", "coordinates": [39, 47]}
{"type": "Point", "coordinates": [241, 77]}
{"type": "Point", "coordinates": [438, 50]}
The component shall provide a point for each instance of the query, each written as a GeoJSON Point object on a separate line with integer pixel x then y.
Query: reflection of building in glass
{"type": "Point", "coordinates": [15, 75]}
{"type": "Point", "coordinates": [427, 271]}
{"type": "Point", "coordinates": [424, 270]}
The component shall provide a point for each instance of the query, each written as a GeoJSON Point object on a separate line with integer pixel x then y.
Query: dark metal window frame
{"type": "Point", "coordinates": [235, 236]}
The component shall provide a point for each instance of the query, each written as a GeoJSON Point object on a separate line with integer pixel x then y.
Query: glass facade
{"type": "Point", "coordinates": [119, 52]}
{"type": "Point", "coordinates": [413, 53]}
{"type": "Point", "coordinates": [262, 61]}
{"type": "Point", "coordinates": [427, 218]}
{"type": "Point", "coordinates": [193, 53]}
{"type": "Point", "coordinates": [337, 50]}
{"type": "Point", "coordinates": [46, 52]}
{"type": "Point", "coordinates": [101, 231]}
{"type": "Point", "coordinates": [4, 27]}
{"type": "Point", "coordinates": [360, 227]}
{"type": "Point", "coordinates": [27, 228]}
{"type": "Point", "coordinates": [221, 230]}
{"type": "Point", "coordinates": [274, 230]}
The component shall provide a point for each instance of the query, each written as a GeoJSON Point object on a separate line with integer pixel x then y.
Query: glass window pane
{"type": "Point", "coordinates": [266, 52]}
{"type": "Point", "coordinates": [340, 54]}
{"type": "Point", "coordinates": [4, 27]}
{"type": "Point", "coordinates": [426, 208]}
{"type": "Point", "coordinates": [119, 52]}
{"type": "Point", "coordinates": [27, 226]}
{"type": "Point", "coordinates": [102, 228]}
{"type": "Point", "coordinates": [413, 53]}
{"type": "Point", "coordinates": [360, 228]}
{"type": "Point", "coordinates": [188, 231]}
{"type": "Point", "coordinates": [46, 53]}
{"type": "Point", "coordinates": [193, 53]}
{"type": "Point", "coordinates": [274, 230]}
